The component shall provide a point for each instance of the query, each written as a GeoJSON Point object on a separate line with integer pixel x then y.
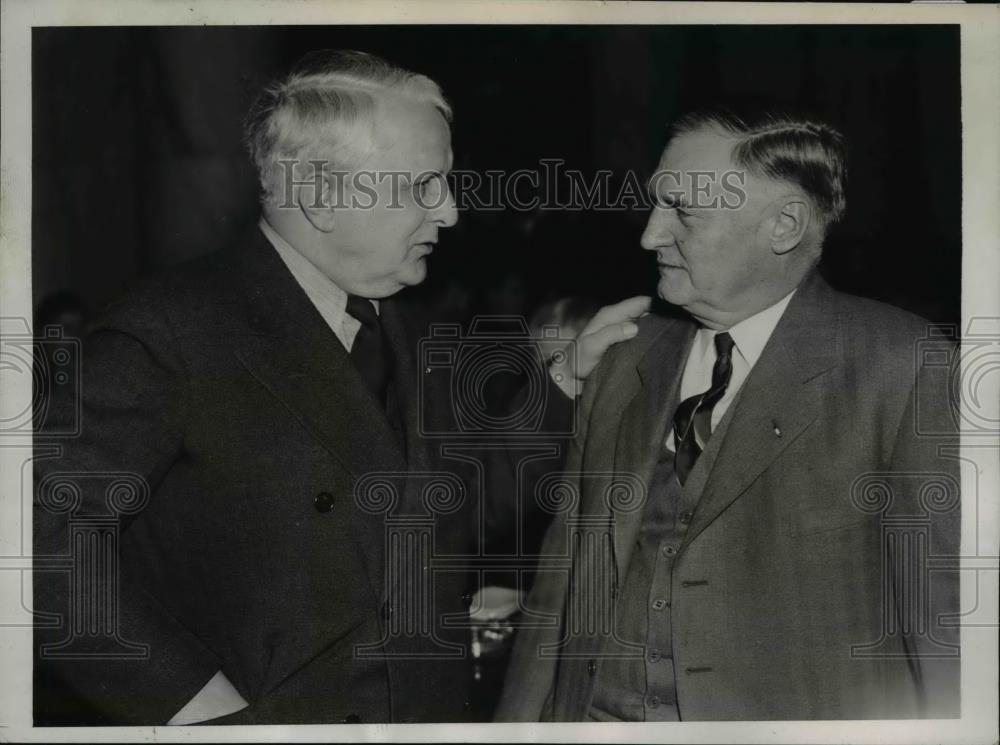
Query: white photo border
{"type": "Point", "coordinates": [980, 63]}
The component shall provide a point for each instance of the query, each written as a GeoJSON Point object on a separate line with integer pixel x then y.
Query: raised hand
{"type": "Point", "coordinates": [610, 325]}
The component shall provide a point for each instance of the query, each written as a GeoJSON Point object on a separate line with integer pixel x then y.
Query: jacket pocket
{"type": "Point", "coordinates": [822, 520]}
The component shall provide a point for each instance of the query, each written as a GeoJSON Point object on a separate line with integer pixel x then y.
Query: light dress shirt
{"type": "Point", "coordinates": [329, 299]}
{"type": "Point", "coordinates": [749, 337]}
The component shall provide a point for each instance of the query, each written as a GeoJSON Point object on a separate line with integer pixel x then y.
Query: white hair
{"type": "Point", "coordinates": [324, 111]}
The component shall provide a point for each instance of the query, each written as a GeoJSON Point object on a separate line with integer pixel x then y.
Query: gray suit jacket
{"type": "Point", "coordinates": [791, 593]}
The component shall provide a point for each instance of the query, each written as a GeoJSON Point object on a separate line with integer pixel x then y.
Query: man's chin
{"type": "Point", "coordinates": [673, 291]}
{"type": "Point", "coordinates": [413, 274]}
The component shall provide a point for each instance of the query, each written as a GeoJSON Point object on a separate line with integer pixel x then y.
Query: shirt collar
{"type": "Point", "coordinates": [307, 274]}
{"type": "Point", "coordinates": [751, 334]}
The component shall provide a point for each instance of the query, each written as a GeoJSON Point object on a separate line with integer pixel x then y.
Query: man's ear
{"type": "Point", "coordinates": [790, 225]}
{"type": "Point", "coordinates": [319, 208]}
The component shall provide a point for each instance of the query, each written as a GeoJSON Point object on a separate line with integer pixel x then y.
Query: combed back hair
{"type": "Point", "coordinates": [324, 110]}
{"type": "Point", "coordinates": [786, 147]}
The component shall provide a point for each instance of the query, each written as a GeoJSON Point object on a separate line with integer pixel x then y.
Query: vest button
{"type": "Point", "coordinates": [686, 518]}
{"type": "Point", "coordinates": [660, 604]}
{"type": "Point", "coordinates": [669, 551]}
{"type": "Point", "coordinates": [653, 702]}
{"type": "Point", "coordinates": [323, 501]}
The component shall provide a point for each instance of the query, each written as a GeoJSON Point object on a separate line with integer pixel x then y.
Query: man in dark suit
{"type": "Point", "coordinates": [796, 476]}
{"type": "Point", "coordinates": [250, 441]}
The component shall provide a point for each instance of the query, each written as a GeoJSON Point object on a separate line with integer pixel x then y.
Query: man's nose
{"type": "Point", "coordinates": [657, 232]}
{"type": "Point", "coordinates": [446, 214]}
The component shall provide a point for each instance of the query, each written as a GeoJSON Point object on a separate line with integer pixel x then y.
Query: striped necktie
{"type": "Point", "coordinates": [693, 420]}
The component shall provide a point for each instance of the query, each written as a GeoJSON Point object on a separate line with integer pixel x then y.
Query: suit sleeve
{"type": "Point", "coordinates": [530, 680]}
{"type": "Point", "coordinates": [925, 468]}
{"type": "Point", "coordinates": [141, 666]}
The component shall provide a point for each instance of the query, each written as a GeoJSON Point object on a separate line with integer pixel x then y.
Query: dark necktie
{"type": "Point", "coordinates": [693, 420]}
{"type": "Point", "coordinates": [369, 350]}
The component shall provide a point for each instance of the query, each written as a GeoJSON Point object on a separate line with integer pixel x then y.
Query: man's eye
{"type": "Point", "coordinates": [668, 204]}
{"type": "Point", "coordinates": [428, 189]}
{"type": "Point", "coordinates": [418, 188]}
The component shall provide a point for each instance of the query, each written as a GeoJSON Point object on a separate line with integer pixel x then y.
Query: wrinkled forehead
{"type": "Point", "coordinates": [697, 166]}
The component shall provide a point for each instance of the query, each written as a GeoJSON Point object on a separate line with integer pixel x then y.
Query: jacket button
{"type": "Point", "coordinates": [352, 719]}
{"type": "Point", "coordinates": [323, 501]}
{"type": "Point", "coordinates": [592, 667]}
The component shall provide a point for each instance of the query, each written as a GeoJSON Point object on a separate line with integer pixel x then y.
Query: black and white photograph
{"type": "Point", "coordinates": [570, 371]}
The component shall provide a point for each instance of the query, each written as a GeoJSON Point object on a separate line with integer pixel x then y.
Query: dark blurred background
{"type": "Point", "coordinates": [138, 162]}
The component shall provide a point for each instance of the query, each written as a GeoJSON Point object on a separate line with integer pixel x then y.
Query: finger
{"type": "Point", "coordinates": [625, 310]}
{"type": "Point", "coordinates": [595, 344]}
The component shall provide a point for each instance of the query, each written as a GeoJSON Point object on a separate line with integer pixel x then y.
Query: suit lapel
{"type": "Point", "coordinates": [644, 421]}
{"type": "Point", "coordinates": [287, 346]}
{"type": "Point", "coordinates": [410, 386]}
{"type": "Point", "coordinates": [780, 398]}
{"type": "Point", "coordinates": [641, 400]}
{"type": "Point", "coordinates": [292, 351]}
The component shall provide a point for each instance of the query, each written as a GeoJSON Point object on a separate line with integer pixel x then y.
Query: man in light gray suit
{"type": "Point", "coordinates": [775, 564]}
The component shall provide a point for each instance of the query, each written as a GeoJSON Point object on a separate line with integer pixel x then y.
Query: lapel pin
{"type": "Point", "coordinates": [777, 429]}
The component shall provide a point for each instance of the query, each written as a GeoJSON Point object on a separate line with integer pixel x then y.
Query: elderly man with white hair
{"type": "Point", "coordinates": [251, 394]}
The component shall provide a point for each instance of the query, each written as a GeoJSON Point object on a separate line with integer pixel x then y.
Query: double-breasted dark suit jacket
{"type": "Point", "coordinates": [221, 389]}
{"type": "Point", "coordinates": [801, 588]}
